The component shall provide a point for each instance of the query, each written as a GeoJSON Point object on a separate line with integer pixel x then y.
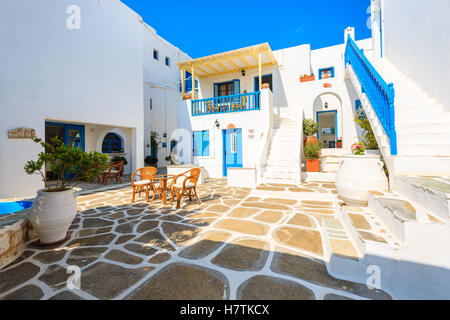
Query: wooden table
{"type": "Point", "coordinates": [163, 179]}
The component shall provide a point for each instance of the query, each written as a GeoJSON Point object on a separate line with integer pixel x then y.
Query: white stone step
{"type": "Point", "coordinates": [319, 176]}
{"type": "Point", "coordinates": [279, 156]}
{"type": "Point", "coordinates": [412, 149]}
{"type": "Point", "coordinates": [279, 175]}
{"type": "Point", "coordinates": [330, 166]}
{"type": "Point", "coordinates": [288, 163]}
{"type": "Point", "coordinates": [420, 127]}
{"type": "Point", "coordinates": [279, 181]}
{"type": "Point", "coordinates": [425, 119]}
{"type": "Point", "coordinates": [333, 152]}
{"type": "Point", "coordinates": [424, 138]}
{"type": "Point", "coordinates": [275, 169]}
{"type": "Point", "coordinates": [394, 213]}
{"type": "Point", "coordinates": [422, 165]}
{"type": "Point", "coordinates": [431, 193]}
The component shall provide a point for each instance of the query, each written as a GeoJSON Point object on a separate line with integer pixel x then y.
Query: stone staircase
{"type": "Point", "coordinates": [282, 161]}
{"type": "Point", "coordinates": [422, 124]}
{"type": "Point", "coordinates": [330, 160]}
{"type": "Point", "coordinates": [405, 232]}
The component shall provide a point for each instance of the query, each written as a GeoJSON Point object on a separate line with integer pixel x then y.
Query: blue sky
{"type": "Point", "coordinates": [205, 27]}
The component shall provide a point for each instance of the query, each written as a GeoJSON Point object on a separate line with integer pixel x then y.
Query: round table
{"type": "Point", "coordinates": [163, 178]}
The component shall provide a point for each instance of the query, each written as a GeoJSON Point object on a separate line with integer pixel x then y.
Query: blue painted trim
{"type": "Point", "coordinates": [257, 80]}
{"type": "Point", "coordinates": [323, 69]}
{"type": "Point", "coordinates": [226, 104]}
{"type": "Point", "coordinates": [335, 121]}
{"type": "Point", "coordinates": [380, 94]}
{"type": "Point", "coordinates": [67, 127]}
{"type": "Point", "coordinates": [118, 139]}
{"type": "Point", "coordinates": [239, 161]}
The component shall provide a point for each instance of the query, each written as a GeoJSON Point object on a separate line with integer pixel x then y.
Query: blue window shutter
{"type": "Point", "coordinates": [197, 143]}
{"type": "Point", "coordinates": [216, 90]}
{"type": "Point", "coordinates": [332, 72]}
{"type": "Point", "coordinates": [237, 86]}
{"type": "Point", "coordinates": [205, 143]}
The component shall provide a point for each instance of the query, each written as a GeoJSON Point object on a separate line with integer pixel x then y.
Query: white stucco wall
{"type": "Point", "coordinates": [416, 38]}
{"type": "Point", "coordinates": [162, 87]}
{"type": "Point", "coordinates": [341, 96]}
{"type": "Point", "coordinates": [89, 76]}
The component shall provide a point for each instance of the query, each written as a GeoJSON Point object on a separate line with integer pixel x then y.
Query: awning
{"type": "Point", "coordinates": [231, 61]}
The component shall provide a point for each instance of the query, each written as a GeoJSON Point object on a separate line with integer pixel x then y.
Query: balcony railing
{"type": "Point", "coordinates": [380, 94]}
{"type": "Point", "coordinates": [226, 104]}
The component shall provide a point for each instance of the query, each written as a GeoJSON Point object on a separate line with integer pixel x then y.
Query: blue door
{"type": "Point", "coordinates": [232, 150]}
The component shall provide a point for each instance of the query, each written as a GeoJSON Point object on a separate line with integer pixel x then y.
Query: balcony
{"type": "Point", "coordinates": [226, 104]}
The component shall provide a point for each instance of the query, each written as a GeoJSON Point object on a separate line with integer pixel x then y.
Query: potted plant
{"type": "Point", "coordinates": [307, 78]}
{"type": "Point", "coordinates": [339, 143]}
{"type": "Point", "coordinates": [117, 159]}
{"type": "Point", "coordinates": [368, 140]}
{"type": "Point", "coordinates": [358, 174]}
{"type": "Point", "coordinates": [55, 206]}
{"type": "Point", "coordinates": [312, 156]}
{"type": "Point", "coordinates": [151, 161]}
{"type": "Point", "coordinates": [310, 128]}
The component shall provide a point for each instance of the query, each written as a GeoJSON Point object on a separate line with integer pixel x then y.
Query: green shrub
{"type": "Point", "coordinates": [312, 150]}
{"type": "Point", "coordinates": [151, 160]}
{"type": "Point", "coordinates": [70, 165]}
{"type": "Point", "coordinates": [310, 127]}
{"type": "Point", "coordinates": [368, 141]}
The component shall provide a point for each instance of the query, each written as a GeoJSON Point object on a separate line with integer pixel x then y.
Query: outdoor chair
{"type": "Point", "coordinates": [113, 172]}
{"type": "Point", "coordinates": [145, 182]}
{"type": "Point", "coordinates": [186, 186]}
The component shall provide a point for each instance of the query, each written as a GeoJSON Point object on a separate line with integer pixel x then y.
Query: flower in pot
{"type": "Point", "coordinates": [339, 143]}
{"type": "Point", "coordinates": [151, 161]}
{"type": "Point", "coordinates": [312, 156]}
{"type": "Point", "coordinates": [310, 129]}
{"type": "Point", "coordinates": [359, 174]}
{"type": "Point", "coordinates": [55, 206]}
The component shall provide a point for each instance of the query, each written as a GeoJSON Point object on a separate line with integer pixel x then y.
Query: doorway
{"type": "Point", "coordinates": [232, 150]}
{"type": "Point", "coordinates": [328, 128]}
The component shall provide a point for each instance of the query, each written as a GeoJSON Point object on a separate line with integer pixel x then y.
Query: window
{"type": "Point", "coordinates": [188, 83]}
{"type": "Point", "coordinates": [326, 73]}
{"type": "Point", "coordinates": [226, 89]}
{"type": "Point", "coordinates": [156, 54]}
{"type": "Point", "coordinates": [265, 79]}
{"type": "Point", "coordinates": [201, 143]}
{"type": "Point", "coordinates": [233, 143]}
{"type": "Point", "coordinates": [151, 104]}
{"type": "Point", "coordinates": [168, 61]}
{"type": "Point", "coordinates": [112, 143]}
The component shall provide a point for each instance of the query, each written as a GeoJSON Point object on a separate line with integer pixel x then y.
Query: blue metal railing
{"type": "Point", "coordinates": [235, 103]}
{"type": "Point", "coordinates": [380, 94]}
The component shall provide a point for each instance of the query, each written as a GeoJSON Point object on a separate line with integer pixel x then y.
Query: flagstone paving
{"type": "Point", "coordinates": [240, 243]}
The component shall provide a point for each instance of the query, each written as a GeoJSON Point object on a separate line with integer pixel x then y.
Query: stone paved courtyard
{"type": "Point", "coordinates": [263, 243]}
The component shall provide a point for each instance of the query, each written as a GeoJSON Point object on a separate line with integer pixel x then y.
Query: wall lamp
{"type": "Point", "coordinates": [243, 72]}
{"type": "Point", "coordinates": [217, 124]}
{"type": "Point", "coordinates": [326, 105]}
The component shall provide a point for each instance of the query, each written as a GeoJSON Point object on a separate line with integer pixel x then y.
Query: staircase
{"type": "Point", "coordinates": [283, 160]}
{"type": "Point", "coordinates": [406, 231]}
{"type": "Point", "coordinates": [422, 124]}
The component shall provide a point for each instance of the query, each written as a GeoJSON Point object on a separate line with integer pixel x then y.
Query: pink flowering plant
{"type": "Point", "coordinates": [359, 150]}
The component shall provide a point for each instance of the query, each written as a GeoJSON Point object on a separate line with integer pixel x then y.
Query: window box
{"type": "Point", "coordinates": [307, 78]}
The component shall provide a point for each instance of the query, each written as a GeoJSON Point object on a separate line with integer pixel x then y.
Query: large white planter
{"type": "Point", "coordinates": [357, 176]}
{"type": "Point", "coordinates": [52, 214]}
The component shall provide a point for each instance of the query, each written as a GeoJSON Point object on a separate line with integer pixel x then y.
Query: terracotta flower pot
{"type": "Point", "coordinates": [313, 165]}
{"type": "Point", "coordinates": [339, 144]}
{"type": "Point", "coordinates": [307, 79]}
{"type": "Point", "coordinates": [310, 139]}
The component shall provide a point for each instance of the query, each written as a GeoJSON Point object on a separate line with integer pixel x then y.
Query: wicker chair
{"type": "Point", "coordinates": [114, 171]}
{"type": "Point", "coordinates": [185, 187]}
{"type": "Point", "coordinates": [145, 182]}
